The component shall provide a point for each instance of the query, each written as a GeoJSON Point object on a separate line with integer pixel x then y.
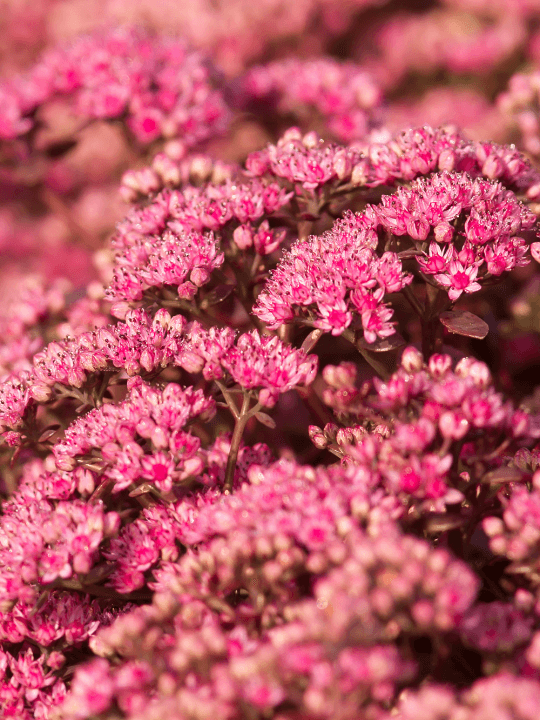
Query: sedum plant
{"type": "Point", "coordinates": [263, 467]}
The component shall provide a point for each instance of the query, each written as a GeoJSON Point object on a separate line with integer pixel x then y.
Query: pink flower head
{"type": "Point", "coordinates": [459, 279]}
{"type": "Point", "coordinates": [333, 277]}
{"type": "Point", "coordinates": [265, 362]}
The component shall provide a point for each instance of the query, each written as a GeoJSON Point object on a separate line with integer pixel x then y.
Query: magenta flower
{"type": "Point", "coordinates": [459, 279]}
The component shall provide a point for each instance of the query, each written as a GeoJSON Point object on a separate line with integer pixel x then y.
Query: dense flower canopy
{"type": "Point", "coordinates": [269, 350]}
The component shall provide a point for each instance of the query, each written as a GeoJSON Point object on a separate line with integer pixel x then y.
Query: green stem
{"type": "Point", "coordinates": [239, 427]}
{"type": "Point", "coordinates": [228, 399]}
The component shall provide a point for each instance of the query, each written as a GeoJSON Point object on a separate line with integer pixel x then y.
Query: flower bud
{"type": "Point", "coordinates": [41, 393]}
{"type": "Point", "coordinates": [453, 425]}
{"type": "Point", "coordinates": [443, 232]}
{"type": "Point", "coordinates": [243, 237]}
{"type": "Point", "coordinates": [317, 437]}
{"type": "Point", "coordinates": [439, 365]}
{"type": "Point", "coordinates": [412, 360]}
{"type": "Point", "coordinates": [493, 167]}
{"type": "Point", "coordinates": [447, 160]}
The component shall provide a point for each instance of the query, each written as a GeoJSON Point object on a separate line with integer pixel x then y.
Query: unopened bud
{"type": "Point", "coordinates": [317, 437]}
{"type": "Point", "coordinates": [412, 360]}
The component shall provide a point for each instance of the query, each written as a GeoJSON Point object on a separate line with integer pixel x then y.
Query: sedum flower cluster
{"type": "Point", "coordinates": [269, 401]}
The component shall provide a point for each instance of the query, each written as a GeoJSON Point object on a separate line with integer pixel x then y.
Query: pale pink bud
{"type": "Point", "coordinates": [199, 276]}
{"type": "Point", "coordinates": [476, 370]}
{"type": "Point", "coordinates": [439, 364]}
{"type": "Point", "coordinates": [127, 194]}
{"type": "Point", "coordinates": [130, 180]}
{"type": "Point", "coordinates": [493, 167]}
{"type": "Point", "coordinates": [163, 318]}
{"type": "Point", "coordinates": [342, 164]}
{"type": "Point", "coordinates": [447, 160]}
{"type": "Point", "coordinates": [359, 174]}
{"type": "Point", "coordinates": [524, 600]}
{"type": "Point", "coordinates": [201, 167]}
{"type": "Point", "coordinates": [85, 481]}
{"type": "Point", "coordinates": [533, 193]}
{"type": "Point", "coordinates": [243, 237]}
{"type": "Point", "coordinates": [145, 427]}
{"type": "Point", "coordinates": [317, 437]}
{"type": "Point", "coordinates": [159, 438]}
{"type": "Point", "coordinates": [268, 397]}
{"type": "Point", "coordinates": [418, 228]}
{"type": "Point", "coordinates": [412, 360]}
{"type": "Point", "coordinates": [148, 359]}
{"type": "Point", "coordinates": [340, 376]}
{"type": "Point", "coordinates": [221, 172]}
{"type": "Point", "coordinates": [177, 324]}
{"type": "Point", "coordinates": [257, 163]}
{"type": "Point", "coordinates": [186, 291]}
{"type": "Point", "coordinates": [56, 660]}
{"type": "Point", "coordinates": [310, 140]}
{"type": "Point", "coordinates": [443, 232]}
{"type": "Point", "coordinates": [41, 393]}
{"type": "Point", "coordinates": [521, 422]}
{"type": "Point", "coordinates": [345, 436]}
{"type": "Point", "coordinates": [190, 361]}
{"type": "Point", "coordinates": [272, 571]}
{"type": "Point", "coordinates": [166, 169]}
{"type": "Point", "coordinates": [65, 463]}
{"type": "Point", "coordinates": [453, 425]}
{"type": "Point", "coordinates": [111, 524]}
{"type": "Point", "coordinates": [148, 181]}
{"type": "Point", "coordinates": [175, 149]}
{"type": "Point", "coordinates": [330, 431]}
{"type": "Point", "coordinates": [193, 466]}
{"type": "Point", "coordinates": [82, 562]}
{"type": "Point", "coordinates": [493, 526]}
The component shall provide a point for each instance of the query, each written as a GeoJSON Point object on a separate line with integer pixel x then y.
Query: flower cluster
{"type": "Point", "coordinates": [343, 93]}
{"type": "Point", "coordinates": [305, 160]}
{"type": "Point", "coordinates": [520, 103]}
{"type": "Point", "coordinates": [173, 170]}
{"type": "Point", "coordinates": [444, 38]}
{"type": "Point", "coordinates": [335, 279]}
{"type": "Point", "coordinates": [473, 228]}
{"type": "Point", "coordinates": [44, 542]}
{"type": "Point", "coordinates": [308, 161]}
{"type": "Point", "coordinates": [516, 535]}
{"type": "Point", "coordinates": [164, 243]}
{"type": "Point", "coordinates": [271, 451]}
{"type": "Point", "coordinates": [253, 361]}
{"type": "Point", "coordinates": [116, 433]}
{"type": "Point", "coordinates": [335, 645]}
{"type": "Point", "coordinates": [436, 450]}
{"type": "Point", "coordinates": [501, 695]}
{"type": "Point", "coordinates": [139, 342]}
{"type": "Point", "coordinates": [161, 89]}
{"type": "Point", "coordinates": [25, 319]}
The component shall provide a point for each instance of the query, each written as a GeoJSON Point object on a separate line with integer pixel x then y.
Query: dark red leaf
{"type": "Point", "coordinates": [464, 323]}
{"type": "Point", "coordinates": [265, 420]}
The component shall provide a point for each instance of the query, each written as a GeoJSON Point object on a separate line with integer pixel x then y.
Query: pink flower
{"type": "Point", "coordinates": [459, 279]}
{"type": "Point", "coordinates": [437, 259]}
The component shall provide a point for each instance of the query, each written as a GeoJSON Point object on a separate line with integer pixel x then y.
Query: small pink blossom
{"type": "Point", "coordinates": [459, 279]}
